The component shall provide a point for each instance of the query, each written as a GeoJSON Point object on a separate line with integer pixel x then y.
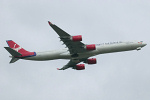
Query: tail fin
{"type": "Point", "coordinates": [17, 52]}
{"type": "Point", "coordinates": [16, 47]}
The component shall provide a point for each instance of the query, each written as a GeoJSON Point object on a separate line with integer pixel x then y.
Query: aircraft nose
{"type": "Point", "coordinates": [144, 44]}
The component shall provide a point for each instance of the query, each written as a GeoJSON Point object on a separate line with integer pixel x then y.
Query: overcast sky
{"type": "Point", "coordinates": [116, 76]}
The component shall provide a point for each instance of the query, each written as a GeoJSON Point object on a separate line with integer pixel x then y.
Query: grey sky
{"type": "Point", "coordinates": [117, 76]}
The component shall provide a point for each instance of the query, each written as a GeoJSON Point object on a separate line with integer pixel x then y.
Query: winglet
{"type": "Point", "coordinates": [58, 69]}
{"type": "Point", "coordinates": [49, 23]}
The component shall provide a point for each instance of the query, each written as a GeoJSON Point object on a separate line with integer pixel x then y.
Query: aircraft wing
{"type": "Point", "coordinates": [72, 63]}
{"type": "Point", "coordinates": [74, 47]}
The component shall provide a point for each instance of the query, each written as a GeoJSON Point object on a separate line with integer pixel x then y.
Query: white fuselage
{"type": "Point", "coordinates": [100, 49]}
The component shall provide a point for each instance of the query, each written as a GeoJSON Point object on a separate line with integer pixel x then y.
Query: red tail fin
{"type": "Point", "coordinates": [16, 47]}
{"type": "Point", "coordinates": [19, 49]}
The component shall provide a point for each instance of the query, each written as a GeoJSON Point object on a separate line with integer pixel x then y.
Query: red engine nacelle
{"type": "Point", "coordinates": [76, 38]}
{"type": "Point", "coordinates": [80, 67]}
{"type": "Point", "coordinates": [90, 47]}
{"type": "Point", "coordinates": [91, 61]}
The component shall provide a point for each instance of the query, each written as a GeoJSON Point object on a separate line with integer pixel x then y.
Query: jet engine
{"type": "Point", "coordinates": [91, 61]}
{"type": "Point", "coordinates": [76, 38]}
{"type": "Point", "coordinates": [90, 47]}
{"type": "Point", "coordinates": [80, 67]}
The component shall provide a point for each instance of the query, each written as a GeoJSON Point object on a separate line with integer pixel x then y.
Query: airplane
{"type": "Point", "coordinates": [76, 51]}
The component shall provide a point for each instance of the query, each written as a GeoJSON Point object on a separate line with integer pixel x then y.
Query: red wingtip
{"type": "Point", "coordinates": [49, 23]}
{"type": "Point", "coordinates": [57, 68]}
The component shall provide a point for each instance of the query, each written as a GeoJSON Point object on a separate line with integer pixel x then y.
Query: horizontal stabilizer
{"type": "Point", "coordinates": [13, 60]}
{"type": "Point", "coordinates": [12, 52]}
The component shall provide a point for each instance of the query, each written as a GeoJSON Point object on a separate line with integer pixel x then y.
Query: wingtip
{"type": "Point", "coordinates": [49, 23]}
{"type": "Point", "coordinates": [57, 68]}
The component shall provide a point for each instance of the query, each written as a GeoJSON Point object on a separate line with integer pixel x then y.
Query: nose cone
{"type": "Point", "coordinates": [144, 44]}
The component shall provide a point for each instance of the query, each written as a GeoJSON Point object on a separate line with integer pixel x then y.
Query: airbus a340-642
{"type": "Point", "coordinates": [76, 51]}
